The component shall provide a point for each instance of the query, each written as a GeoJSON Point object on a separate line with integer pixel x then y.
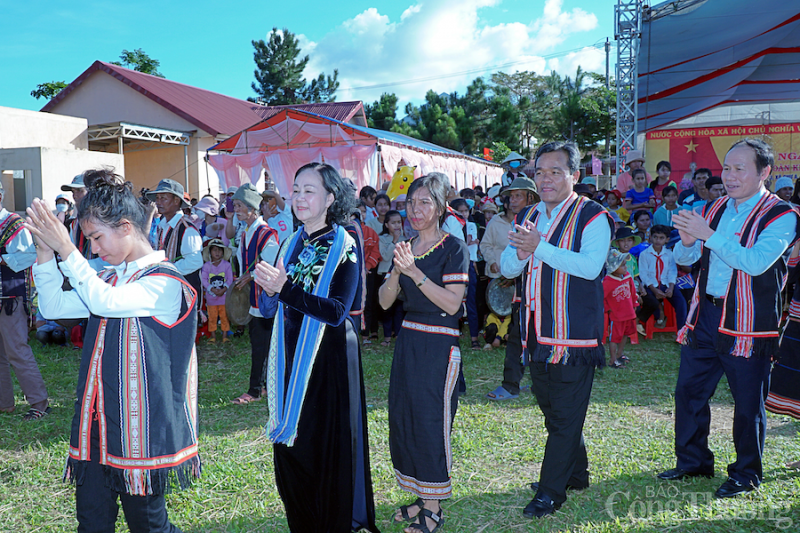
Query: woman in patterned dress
{"type": "Point", "coordinates": [315, 386]}
{"type": "Point", "coordinates": [430, 274]}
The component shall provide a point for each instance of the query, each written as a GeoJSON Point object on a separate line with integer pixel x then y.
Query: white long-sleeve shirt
{"type": "Point", "coordinates": [495, 240]}
{"type": "Point", "coordinates": [191, 246]}
{"type": "Point", "coordinates": [269, 253]}
{"type": "Point", "coordinates": [156, 296]}
{"type": "Point", "coordinates": [648, 261]}
{"type": "Point", "coordinates": [586, 264]}
{"type": "Point", "coordinates": [20, 252]}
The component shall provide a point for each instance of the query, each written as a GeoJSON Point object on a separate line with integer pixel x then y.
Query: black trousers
{"type": "Point", "coordinates": [260, 336]}
{"type": "Point", "coordinates": [97, 509]}
{"type": "Point", "coordinates": [512, 366]}
{"type": "Point", "coordinates": [700, 371]}
{"type": "Point", "coordinates": [562, 393]}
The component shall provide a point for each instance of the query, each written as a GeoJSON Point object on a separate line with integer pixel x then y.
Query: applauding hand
{"type": "Point", "coordinates": [48, 232]}
{"type": "Point", "coordinates": [270, 278]}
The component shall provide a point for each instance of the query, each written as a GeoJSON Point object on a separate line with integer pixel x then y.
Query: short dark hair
{"type": "Point", "coordinates": [436, 186]}
{"type": "Point", "coordinates": [713, 180]}
{"type": "Point", "coordinates": [383, 196]}
{"type": "Point", "coordinates": [389, 214]}
{"type": "Point", "coordinates": [344, 198]}
{"type": "Point", "coordinates": [466, 193]}
{"type": "Point", "coordinates": [639, 214]}
{"type": "Point", "coordinates": [366, 191]}
{"type": "Point", "coordinates": [661, 229]}
{"type": "Point", "coordinates": [637, 172]}
{"type": "Point", "coordinates": [569, 149]}
{"type": "Point", "coordinates": [704, 170]}
{"type": "Point", "coordinates": [668, 189]}
{"type": "Point", "coordinates": [764, 156]}
{"type": "Point", "coordinates": [110, 201]}
{"type": "Point", "coordinates": [664, 164]}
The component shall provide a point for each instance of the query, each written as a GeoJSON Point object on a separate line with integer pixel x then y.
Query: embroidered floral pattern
{"type": "Point", "coordinates": [309, 264]}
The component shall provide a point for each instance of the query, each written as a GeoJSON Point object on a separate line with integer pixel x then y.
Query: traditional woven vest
{"type": "Point", "coordinates": [138, 382]}
{"type": "Point", "coordinates": [12, 284]}
{"type": "Point", "coordinates": [251, 255]}
{"type": "Point", "coordinates": [753, 304]}
{"type": "Point", "coordinates": [171, 243]}
{"type": "Point", "coordinates": [564, 312]}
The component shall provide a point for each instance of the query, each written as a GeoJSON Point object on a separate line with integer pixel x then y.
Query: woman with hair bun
{"type": "Point", "coordinates": [134, 432]}
{"type": "Point", "coordinates": [315, 386]}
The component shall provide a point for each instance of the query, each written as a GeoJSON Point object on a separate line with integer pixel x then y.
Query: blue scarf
{"type": "Point", "coordinates": [285, 403]}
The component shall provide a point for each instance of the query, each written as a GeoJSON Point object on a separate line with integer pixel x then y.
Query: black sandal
{"type": "Point", "coordinates": [422, 525]}
{"type": "Point", "coordinates": [404, 511]}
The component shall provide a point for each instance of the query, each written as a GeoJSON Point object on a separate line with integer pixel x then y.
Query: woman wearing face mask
{"type": "Point", "coordinates": [513, 164]}
{"type": "Point", "coordinates": [63, 210]}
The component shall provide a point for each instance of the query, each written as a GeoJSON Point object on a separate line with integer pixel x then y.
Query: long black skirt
{"type": "Point", "coordinates": [784, 389]}
{"type": "Point", "coordinates": [422, 405]}
{"type": "Point", "coordinates": [324, 478]}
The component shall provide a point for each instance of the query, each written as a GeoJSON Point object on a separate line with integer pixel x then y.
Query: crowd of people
{"type": "Point", "coordinates": [323, 272]}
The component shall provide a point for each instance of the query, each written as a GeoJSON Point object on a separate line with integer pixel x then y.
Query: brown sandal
{"type": "Point", "coordinates": [245, 398]}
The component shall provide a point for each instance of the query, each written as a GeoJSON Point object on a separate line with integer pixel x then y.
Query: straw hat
{"type": "Point", "coordinates": [634, 155]}
{"type": "Point", "coordinates": [226, 252]}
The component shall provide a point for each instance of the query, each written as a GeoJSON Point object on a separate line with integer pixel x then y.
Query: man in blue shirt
{"type": "Point", "coordinates": [733, 320]}
{"type": "Point", "coordinates": [559, 246]}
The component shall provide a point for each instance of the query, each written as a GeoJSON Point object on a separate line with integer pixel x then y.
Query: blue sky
{"type": "Point", "coordinates": [447, 43]}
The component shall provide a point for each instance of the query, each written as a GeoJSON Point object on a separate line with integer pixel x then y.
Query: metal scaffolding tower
{"type": "Point", "coordinates": [627, 32]}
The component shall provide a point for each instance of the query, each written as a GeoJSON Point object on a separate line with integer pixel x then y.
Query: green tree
{"type": "Point", "coordinates": [383, 113]}
{"type": "Point", "coordinates": [279, 73]}
{"type": "Point", "coordinates": [48, 90]}
{"type": "Point", "coordinates": [139, 61]}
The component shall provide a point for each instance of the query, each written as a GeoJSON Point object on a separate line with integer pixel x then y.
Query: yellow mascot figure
{"type": "Point", "coordinates": [401, 181]}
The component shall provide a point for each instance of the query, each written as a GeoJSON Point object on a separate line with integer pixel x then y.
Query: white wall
{"type": "Point", "coordinates": [50, 168]}
{"type": "Point", "coordinates": [20, 128]}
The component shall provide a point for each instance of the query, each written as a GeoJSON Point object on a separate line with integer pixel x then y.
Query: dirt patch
{"type": "Point", "coordinates": [721, 418]}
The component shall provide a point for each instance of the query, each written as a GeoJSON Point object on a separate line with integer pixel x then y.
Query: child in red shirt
{"type": "Point", "coordinates": [620, 299]}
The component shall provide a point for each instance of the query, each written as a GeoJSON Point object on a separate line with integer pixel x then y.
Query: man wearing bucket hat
{"type": "Point", "coordinates": [559, 247]}
{"type": "Point", "coordinates": [179, 239]}
{"type": "Point", "coordinates": [520, 194]}
{"type": "Point", "coordinates": [633, 160]}
{"type": "Point", "coordinates": [513, 164]}
{"type": "Point", "coordinates": [258, 243]}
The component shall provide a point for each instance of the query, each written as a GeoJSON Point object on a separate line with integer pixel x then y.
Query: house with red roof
{"type": "Point", "coordinates": [162, 127]}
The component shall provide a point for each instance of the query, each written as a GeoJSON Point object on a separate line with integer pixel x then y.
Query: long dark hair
{"type": "Point", "coordinates": [110, 201]}
{"type": "Point", "coordinates": [344, 198]}
{"type": "Point", "coordinates": [389, 214]}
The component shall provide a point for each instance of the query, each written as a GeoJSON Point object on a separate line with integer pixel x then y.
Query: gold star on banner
{"type": "Point", "coordinates": [691, 147]}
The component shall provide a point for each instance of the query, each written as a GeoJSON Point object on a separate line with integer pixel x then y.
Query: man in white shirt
{"type": "Point", "coordinates": [18, 254]}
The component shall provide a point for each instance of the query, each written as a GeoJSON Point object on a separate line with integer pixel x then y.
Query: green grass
{"type": "Point", "coordinates": [497, 449]}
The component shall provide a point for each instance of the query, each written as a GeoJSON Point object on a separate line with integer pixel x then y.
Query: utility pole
{"type": "Point", "coordinates": [608, 85]}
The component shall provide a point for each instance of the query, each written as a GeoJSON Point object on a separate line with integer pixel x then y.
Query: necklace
{"type": "Point", "coordinates": [426, 246]}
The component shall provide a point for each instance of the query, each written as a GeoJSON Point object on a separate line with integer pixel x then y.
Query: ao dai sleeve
{"type": "Point", "coordinates": [335, 308]}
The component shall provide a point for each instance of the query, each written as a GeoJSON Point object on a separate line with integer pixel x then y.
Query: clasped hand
{"type": "Point", "coordinates": [48, 232]}
{"type": "Point", "coordinates": [271, 278]}
{"type": "Point", "coordinates": [404, 259]}
{"type": "Point", "coordinates": [525, 239]}
{"type": "Point", "coordinates": [691, 227]}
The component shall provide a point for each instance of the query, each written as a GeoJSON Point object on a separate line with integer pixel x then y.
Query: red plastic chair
{"type": "Point", "coordinates": [670, 327]}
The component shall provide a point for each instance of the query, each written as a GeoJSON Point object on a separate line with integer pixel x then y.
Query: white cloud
{"type": "Point", "coordinates": [446, 43]}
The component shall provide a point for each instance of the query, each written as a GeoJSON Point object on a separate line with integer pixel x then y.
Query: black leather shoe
{"type": "Point", "coordinates": [674, 474]}
{"type": "Point", "coordinates": [732, 488]}
{"type": "Point", "coordinates": [541, 505]}
{"type": "Point", "coordinates": [535, 487]}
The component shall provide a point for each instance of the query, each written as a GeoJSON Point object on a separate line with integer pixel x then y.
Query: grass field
{"type": "Point", "coordinates": [496, 452]}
